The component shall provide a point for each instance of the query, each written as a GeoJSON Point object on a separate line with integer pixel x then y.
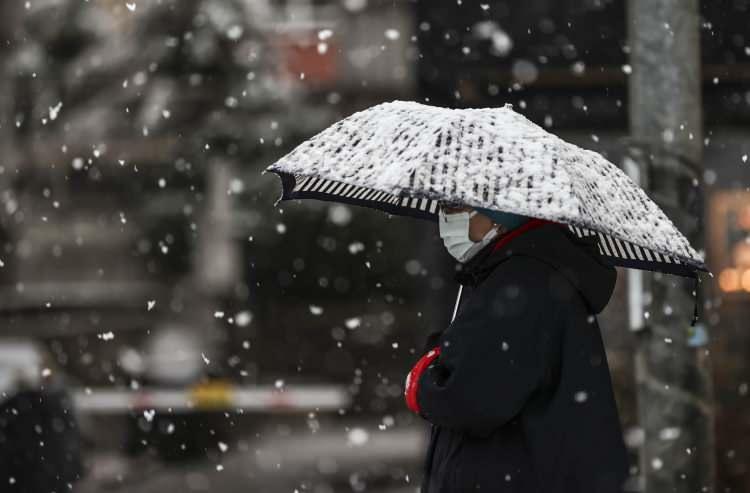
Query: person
{"type": "Point", "coordinates": [517, 388]}
{"type": "Point", "coordinates": [41, 448]}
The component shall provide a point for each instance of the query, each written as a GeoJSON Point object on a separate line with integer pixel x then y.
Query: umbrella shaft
{"type": "Point", "coordinates": [458, 300]}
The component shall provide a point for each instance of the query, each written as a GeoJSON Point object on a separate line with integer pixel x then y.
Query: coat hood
{"type": "Point", "coordinates": [577, 259]}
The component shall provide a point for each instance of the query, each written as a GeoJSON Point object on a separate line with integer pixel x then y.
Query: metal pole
{"type": "Point", "coordinates": [673, 374]}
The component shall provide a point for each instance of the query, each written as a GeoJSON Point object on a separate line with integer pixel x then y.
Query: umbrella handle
{"type": "Point", "coordinates": [458, 300]}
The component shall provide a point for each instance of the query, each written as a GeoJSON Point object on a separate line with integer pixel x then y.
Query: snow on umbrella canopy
{"type": "Point", "coordinates": [406, 158]}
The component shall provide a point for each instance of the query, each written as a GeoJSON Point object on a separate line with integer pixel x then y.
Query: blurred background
{"type": "Point", "coordinates": [165, 325]}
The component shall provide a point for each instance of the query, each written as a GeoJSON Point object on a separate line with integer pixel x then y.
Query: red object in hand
{"type": "Point", "coordinates": [412, 379]}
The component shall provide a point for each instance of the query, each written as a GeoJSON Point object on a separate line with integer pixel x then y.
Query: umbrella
{"type": "Point", "coordinates": [406, 158]}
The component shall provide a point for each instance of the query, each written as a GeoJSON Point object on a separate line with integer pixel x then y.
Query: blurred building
{"type": "Point", "coordinates": [142, 247]}
{"type": "Point", "coordinates": [138, 134]}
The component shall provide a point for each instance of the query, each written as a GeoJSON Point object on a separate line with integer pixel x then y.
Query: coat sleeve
{"type": "Point", "coordinates": [494, 355]}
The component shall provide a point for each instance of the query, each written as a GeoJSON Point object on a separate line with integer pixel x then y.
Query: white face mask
{"type": "Point", "coordinates": [454, 230]}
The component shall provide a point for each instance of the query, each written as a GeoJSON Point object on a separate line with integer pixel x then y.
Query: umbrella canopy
{"type": "Point", "coordinates": [405, 158]}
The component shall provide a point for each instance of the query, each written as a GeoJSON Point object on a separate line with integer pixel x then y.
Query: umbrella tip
{"type": "Point", "coordinates": [508, 106]}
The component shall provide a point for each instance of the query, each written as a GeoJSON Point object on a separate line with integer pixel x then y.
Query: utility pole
{"type": "Point", "coordinates": [673, 374]}
{"type": "Point", "coordinates": [217, 263]}
{"type": "Point", "coordinates": [9, 156]}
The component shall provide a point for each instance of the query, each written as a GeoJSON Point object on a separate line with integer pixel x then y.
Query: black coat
{"type": "Point", "coordinates": [520, 398]}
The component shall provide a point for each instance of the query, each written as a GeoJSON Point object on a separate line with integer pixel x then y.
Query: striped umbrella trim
{"type": "Point", "coordinates": [622, 253]}
{"type": "Point", "coordinates": [615, 251]}
{"type": "Point", "coordinates": [311, 187]}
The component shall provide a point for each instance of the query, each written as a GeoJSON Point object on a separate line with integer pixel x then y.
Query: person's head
{"type": "Point", "coordinates": [479, 224]}
{"type": "Point", "coordinates": [466, 230]}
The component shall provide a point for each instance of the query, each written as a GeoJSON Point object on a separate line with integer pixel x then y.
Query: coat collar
{"type": "Point", "coordinates": [479, 267]}
{"type": "Point", "coordinates": [578, 259]}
